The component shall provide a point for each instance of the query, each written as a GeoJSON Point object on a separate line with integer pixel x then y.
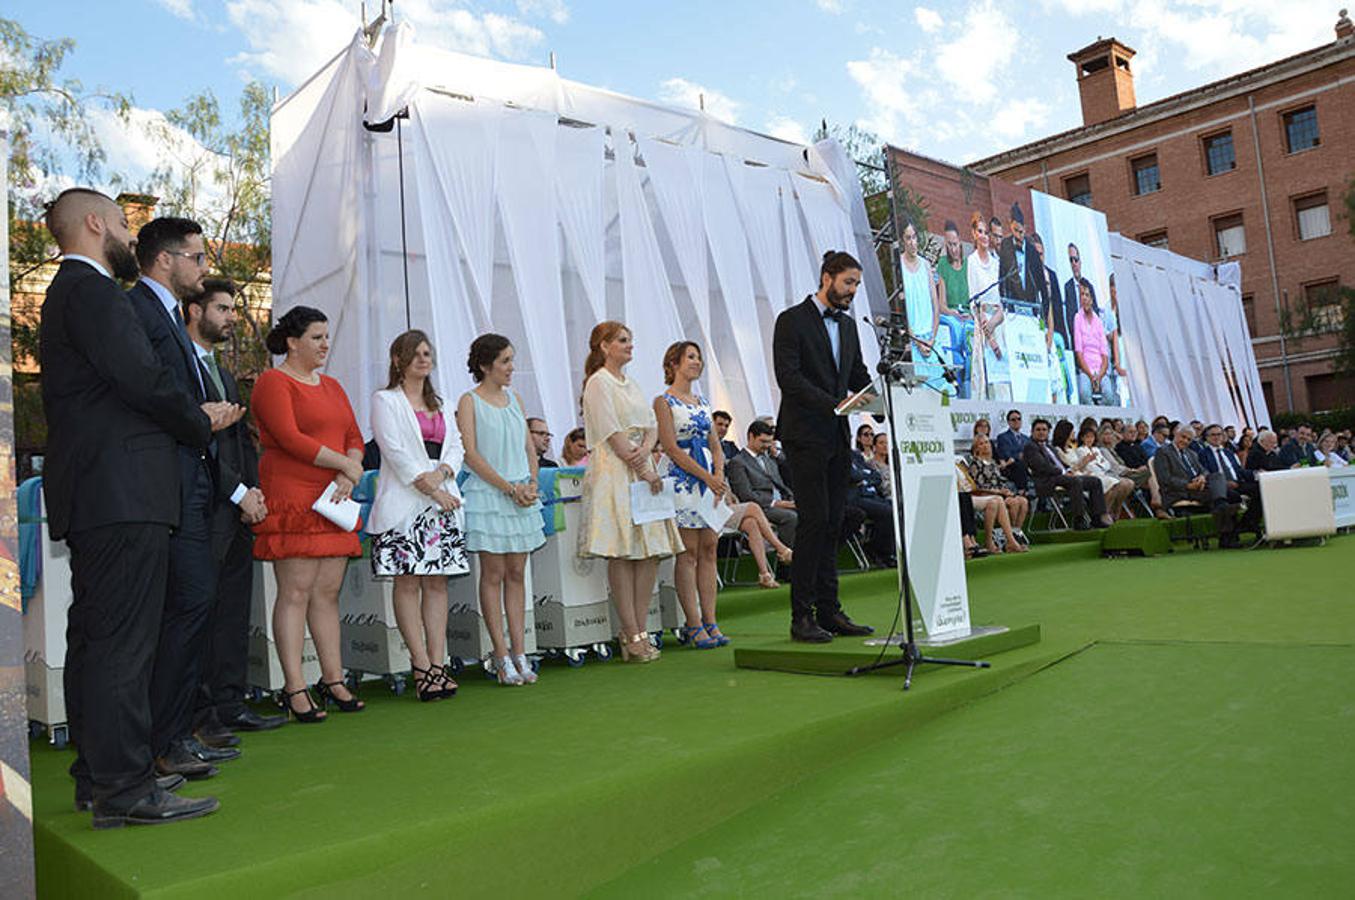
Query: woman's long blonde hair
{"type": "Point", "coordinates": [602, 333]}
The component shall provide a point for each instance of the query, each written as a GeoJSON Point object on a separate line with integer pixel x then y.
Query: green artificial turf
{"type": "Point", "coordinates": [612, 772]}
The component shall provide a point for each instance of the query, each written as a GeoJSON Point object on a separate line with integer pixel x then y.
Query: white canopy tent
{"type": "Point", "coordinates": [513, 200]}
{"type": "Point", "coordinates": [1186, 340]}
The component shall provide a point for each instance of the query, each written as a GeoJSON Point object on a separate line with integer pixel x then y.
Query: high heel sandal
{"type": "Point", "coordinates": [636, 647]}
{"type": "Point", "coordinates": [713, 629]}
{"type": "Point", "coordinates": [768, 580]}
{"type": "Point", "coordinates": [426, 684]}
{"type": "Point", "coordinates": [314, 714]}
{"type": "Point", "coordinates": [691, 637]}
{"type": "Point", "coordinates": [506, 672]}
{"type": "Point", "coordinates": [325, 690]}
{"type": "Point", "coordinates": [446, 684]}
{"type": "Point", "coordinates": [525, 671]}
{"type": "Point", "coordinates": [788, 557]}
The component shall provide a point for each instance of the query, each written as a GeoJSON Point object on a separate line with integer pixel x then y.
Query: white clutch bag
{"type": "Point", "coordinates": [344, 513]}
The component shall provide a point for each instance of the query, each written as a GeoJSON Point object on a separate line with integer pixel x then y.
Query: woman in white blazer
{"type": "Point", "coordinates": [416, 519]}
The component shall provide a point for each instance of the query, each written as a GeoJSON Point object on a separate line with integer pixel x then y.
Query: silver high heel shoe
{"type": "Point", "coordinates": [525, 672]}
{"type": "Point", "coordinates": [508, 675]}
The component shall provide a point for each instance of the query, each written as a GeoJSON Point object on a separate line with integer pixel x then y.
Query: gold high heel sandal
{"type": "Point", "coordinates": [636, 648]}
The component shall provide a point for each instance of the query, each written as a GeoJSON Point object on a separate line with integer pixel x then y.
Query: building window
{"type": "Point", "coordinates": [1146, 176]}
{"type": "Point", "coordinates": [1078, 189]}
{"type": "Point", "coordinates": [1300, 129]}
{"type": "Point", "coordinates": [1154, 239]}
{"type": "Point", "coordinates": [1249, 313]}
{"type": "Point", "coordinates": [1229, 237]}
{"type": "Point", "coordinates": [1323, 302]}
{"type": "Point", "coordinates": [1218, 153]}
{"type": "Point", "coordinates": [1312, 217]}
{"type": "Point", "coordinates": [1329, 391]}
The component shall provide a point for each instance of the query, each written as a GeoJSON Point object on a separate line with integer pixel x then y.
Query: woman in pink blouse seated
{"type": "Point", "coordinates": [1089, 343]}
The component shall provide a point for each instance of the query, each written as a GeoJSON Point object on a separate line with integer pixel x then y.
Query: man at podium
{"type": "Point", "coordinates": [816, 354]}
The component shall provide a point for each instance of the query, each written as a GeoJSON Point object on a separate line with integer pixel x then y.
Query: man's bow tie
{"type": "Point", "coordinates": [832, 314]}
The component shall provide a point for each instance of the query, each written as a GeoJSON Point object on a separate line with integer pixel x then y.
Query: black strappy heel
{"type": "Point", "coordinates": [352, 704]}
{"type": "Point", "coordinates": [314, 714]}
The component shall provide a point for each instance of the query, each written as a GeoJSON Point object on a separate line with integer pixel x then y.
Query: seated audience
{"type": "Point", "coordinates": [1300, 449]}
{"type": "Point", "coordinates": [1048, 472]}
{"type": "Point", "coordinates": [994, 511]}
{"type": "Point", "coordinates": [1181, 478]}
{"type": "Point", "coordinates": [865, 491]}
{"type": "Point", "coordinates": [575, 450]}
{"type": "Point", "coordinates": [865, 440]}
{"type": "Point", "coordinates": [722, 420]}
{"type": "Point", "coordinates": [541, 438]}
{"type": "Point", "coordinates": [1080, 455]}
{"type": "Point", "coordinates": [1007, 450]}
{"type": "Point", "coordinates": [1242, 484]}
{"type": "Point", "coordinates": [755, 477]}
{"type": "Point", "coordinates": [1327, 453]}
{"type": "Point", "coordinates": [1245, 442]}
{"type": "Point", "coordinates": [989, 481]}
{"type": "Point", "coordinates": [1160, 436]}
{"type": "Point", "coordinates": [1141, 476]}
{"type": "Point", "coordinates": [1264, 456]}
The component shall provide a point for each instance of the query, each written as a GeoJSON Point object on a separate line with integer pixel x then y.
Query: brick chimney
{"type": "Point", "coordinates": [1345, 31]}
{"type": "Point", "coordinates": [1104, 80]}
{"type": "Point", "coordinates": [140, 209]}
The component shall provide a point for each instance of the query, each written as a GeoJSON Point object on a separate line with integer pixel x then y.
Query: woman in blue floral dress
{"type": "Point", "coordinates": [695, 462]}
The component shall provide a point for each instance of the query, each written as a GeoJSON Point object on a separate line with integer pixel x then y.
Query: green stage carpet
{"type": "Point", "coordinates": [1197, 747]}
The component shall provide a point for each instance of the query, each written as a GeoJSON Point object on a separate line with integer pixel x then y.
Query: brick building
{"type": "Point", "coordinates": [1253, 168]}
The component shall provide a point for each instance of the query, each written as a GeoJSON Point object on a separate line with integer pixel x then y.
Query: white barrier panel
{"type": "Point", "coordinates": [45, 630]}
{"type": "Point", "coordinates": [1343, 495]}
{"type": "Point", "coordinates": [1297, 503]}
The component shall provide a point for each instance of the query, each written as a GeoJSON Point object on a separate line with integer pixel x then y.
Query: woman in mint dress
{"type": "Point", "coordinates": [503, 518]}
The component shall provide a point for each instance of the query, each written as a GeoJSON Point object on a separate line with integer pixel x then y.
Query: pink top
{"type": "Point", "coordinates": [432, 426]}
{"type": "Point", "coordinates": [1089, 339]}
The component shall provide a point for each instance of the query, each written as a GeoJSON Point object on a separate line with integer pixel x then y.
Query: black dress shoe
{"type": "Point", "coordinates": [158, 808]}
{"type": "Point", "coordinates": [167, 783]}
{"type": "Point", "coordinates": [210, 754]}
{"type": "Point", "coordinates": [217, 736]}
{"type": "Point", "coordinates": [249, 720]}
{"type": "Point", "coordinates": [808, 631]}
{"type": "Point", "coordinates": [179, 761]}
{"type": "Point", "coordinates": [838, 623]}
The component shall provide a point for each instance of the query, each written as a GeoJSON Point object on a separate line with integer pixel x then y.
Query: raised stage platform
{"type": "Point", "coordinates": [1162, 757]}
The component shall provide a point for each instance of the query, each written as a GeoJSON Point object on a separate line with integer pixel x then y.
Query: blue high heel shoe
{"type": "Point", "coordinates": [712, 629]}
{"type": "Point", "coordinates": [688, 636]}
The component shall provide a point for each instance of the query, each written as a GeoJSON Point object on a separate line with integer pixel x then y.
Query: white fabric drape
{"type": "Point", "coordinates": [579, 157]}
{"type": "Point", "coordinates": [757, 191]}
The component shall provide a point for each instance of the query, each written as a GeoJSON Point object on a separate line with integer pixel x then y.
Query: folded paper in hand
{"type": "Point", "coordinates": [344, 513]}
{"type": "Point", "coordinates": [714, 514]}
{"type": "Point", "coordinates": [647, 506]}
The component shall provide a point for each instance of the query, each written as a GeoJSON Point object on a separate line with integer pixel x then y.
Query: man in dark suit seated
{"type": "Point", "coordinates": [1130, 449]}
{"type": "Point", "coordinates": [1008, 449]}
{"type": "Point", "coordinates": [866, 493]}
{"type": "Point", "coordinates": [541, 438]}
{"type": "Point", "coordinates": [220, 709]}
{"type": "Point", "coordinates": [1181, 477]}
{"type": "Point", "coordinates": [1242, 484]}
{"type": "Point", "coordinates": [1300, 449]}
{"type": "Point", "coordinates": [1265, 454]}
{"type": "Point", "coordinates": [115, 414]}
{"type": "Point", "coordinates": [755, 477]}
{"type": "Point", "coordinates": [722, 420]}
{"type": "Point", "coordinates": [1048, 472]}
{"type": "Point", "coordinates": [816, 354]}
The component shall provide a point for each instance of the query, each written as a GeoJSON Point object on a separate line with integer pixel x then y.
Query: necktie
{"type": "Point", "coordinates": [762, 461]}
{"type": "Point", "coordinates": [209, 363]}
{"type": "Point", "coordinates": [1224, 465]}
{"type": "Point", "coordinates": [1190, 467]}
{"type": "Point", "coordinates": [1053, 457]}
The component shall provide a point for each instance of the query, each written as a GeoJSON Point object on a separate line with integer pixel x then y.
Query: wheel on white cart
{"type": "Point", "coordinates": [535, 663]}
{"type": "Point", "coordinates": [457, 665]}
{"type": "Point", "coordinates": [60, 737]}
{"type": "Point", "coordinates": [658, 640]}
{"type": "Point", "coordinates": [487, 664]}
{"type": "Point", "coordinates": [576, 657]}
{"type": "Point", "coordinates": [396, 683]}
{"type": "Point", "coordinates": [352, 679]}
{"type": "Point", "coordinates": [604, 651]}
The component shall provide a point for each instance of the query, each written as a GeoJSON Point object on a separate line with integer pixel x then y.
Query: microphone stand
{"type": "Point", "coordinates": [889, 370]}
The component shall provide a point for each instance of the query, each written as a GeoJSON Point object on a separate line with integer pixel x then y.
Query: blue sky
{"type": "Point", "coordinates": [956, 80]}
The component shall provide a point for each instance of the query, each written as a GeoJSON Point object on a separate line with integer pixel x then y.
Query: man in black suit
{"type": "Point", "coordinates": [722, 420]}
{"type": "Point", "coordinates": [1215, 456]}
{"type": "Point", "coordinates": [816, 354]}
{"type": "Point", "coordinates": [220, 708]}
{"type": "Point", "coordinates": [1020, 267]}
{"type": "Point", "coordinates": [173, 260]}
{"type": "Point", "coordinates": [114, 415]}
{"type": "Point", "coordinates": [1072, 299]}
{"type": "Point", "coordinates": [1181, 477]}
{"type": "Point", "coordinates": [541, 437]}
{"type": "Point", "coordinates": [1299, 450]}
{"type": "Point", "coordinates": [1047, 471]}
{"type": "Point", "coordinates": [1265, 454]}
{"type": "Point", "coordinates": [756, 477]}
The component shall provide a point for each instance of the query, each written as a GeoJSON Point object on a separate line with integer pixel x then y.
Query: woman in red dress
{"type": "Point", "coordinates": [310, 439]}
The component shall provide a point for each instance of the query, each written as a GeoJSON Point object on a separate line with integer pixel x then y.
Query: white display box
{"type": "Point", "coordinates": [1297, 503]}
{"type": "Point", "coordinates": [562, 576]}
{"type": "Point", "coordinates": [670, 611]}
{"type": "Point", "coordinates": [264, 670]}
{"type": "Point", "coordinates": [44, 625]}
{"type": "Point", "coordinates": [467, 637]}
{"type": "Point", "coordinates": [372, 643]}
{"type": "Point", "coordinates": [560, 627]}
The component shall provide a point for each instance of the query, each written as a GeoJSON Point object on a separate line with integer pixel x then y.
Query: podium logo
{"type": "Point", "coordinates": [916, 450]}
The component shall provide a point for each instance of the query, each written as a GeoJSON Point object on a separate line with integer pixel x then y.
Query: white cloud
{"type": "Point", "coordinates": [181, 9]}
{"type": "Point", "coordinates": [929, 20]}
{"type": "Point", "coordinates": [890, 88]}
{"type": "Point", "coordinates": [291, 39]}
{"type": "Point", "coordinates": [555, 10]}
{"type": "Point", "coordinates": [1014, 119]}
{"type": "Point", "coordinates": [977, 53]}
{"type": "Point", "coordinates": [682, 92]}
{"type": "Point", "coordinates": [787, 129]}
{"type": "Point", "coordinates": [832, 7]}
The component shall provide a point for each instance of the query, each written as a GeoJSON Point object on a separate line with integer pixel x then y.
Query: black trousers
{"type": "Point", "coordinates": [821, 478]}
{"type": "Point", "coordinates": [118, 576]}
{"type": "Point", "coordinates": [968, 524]}
{"type": "Point", "coordinates": [1077, 486]}
{"type": "Point", "coordinates": [188, 603]}
{"type": "Point", "coordinates": [882, 525]}
{"type": "Point", "coordinates": [221, 694]}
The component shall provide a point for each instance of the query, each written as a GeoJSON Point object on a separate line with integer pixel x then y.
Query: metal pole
{"type": "Point", "coordinates": [404, 243]}
{"type": "Point", "coordinates": [1270, 252]}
